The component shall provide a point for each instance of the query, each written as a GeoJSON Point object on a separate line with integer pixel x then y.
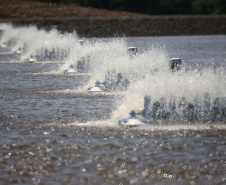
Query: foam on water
{"type": "Point", "coordinates": [149, 128]}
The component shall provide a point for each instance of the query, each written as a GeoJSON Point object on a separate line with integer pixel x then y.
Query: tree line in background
{"type": "Point", "coordinates": [153, 7]}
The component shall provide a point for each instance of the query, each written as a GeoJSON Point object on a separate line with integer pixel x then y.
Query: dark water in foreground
{"type": "Point", "coordinates": [40, 154]}
{"type": "Point", "coordinates": [39, 145]}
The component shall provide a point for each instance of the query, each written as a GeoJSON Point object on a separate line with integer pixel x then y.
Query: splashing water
{"type": "Point", "coordinates": [51, 136]}
{"type": "Point", "coordinates": [184, 95]}
{"type": "Point", "coordinates": [112, 58]}
{"type": "Point", "coordinates": [40, 43]}
{"type": "Point", "coordinates": [148, 72]}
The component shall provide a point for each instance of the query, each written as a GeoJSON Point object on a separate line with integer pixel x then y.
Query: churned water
{"type": "Point", "coordinates": [53, 131]}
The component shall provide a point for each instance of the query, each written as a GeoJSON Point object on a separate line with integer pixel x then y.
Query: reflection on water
{"type": "Point", "coordinates": [49, 154]}
{"type": "Point", "coordinates": [54, 132]}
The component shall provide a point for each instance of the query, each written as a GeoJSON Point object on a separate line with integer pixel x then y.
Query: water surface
{"type": "Point", "coordinates": [54, 132]}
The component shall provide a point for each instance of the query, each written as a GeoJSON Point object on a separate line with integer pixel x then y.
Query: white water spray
{"type": "Point", "coordinates": [32, 41]}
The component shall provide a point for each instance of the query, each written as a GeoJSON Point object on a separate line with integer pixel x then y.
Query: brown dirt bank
{"type": "Point", "coordinates": [89, 22]}
{"type": "Point", "coordinates": [155, 26]}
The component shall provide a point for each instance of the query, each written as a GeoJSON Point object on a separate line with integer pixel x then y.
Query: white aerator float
{"type": "Point", "coordinates": [97, 87]}
{"type": "Point", "coordinates": [18, 52]}
{"type": "Point", "coordinates": [133, 121]}
{"type": "Point", "coordinates": [4, 45]}
{"type": "Point", "coordinates": [30, 60]}
{"type": "Point", "coordinates": [70, 70]}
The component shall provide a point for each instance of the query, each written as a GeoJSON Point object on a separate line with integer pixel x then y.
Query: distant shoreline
{"type": "Point", "coordinates": [153, 26]}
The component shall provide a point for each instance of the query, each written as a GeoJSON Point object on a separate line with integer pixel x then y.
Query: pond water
{"type": "Point", "coordinates": [55, 132]}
